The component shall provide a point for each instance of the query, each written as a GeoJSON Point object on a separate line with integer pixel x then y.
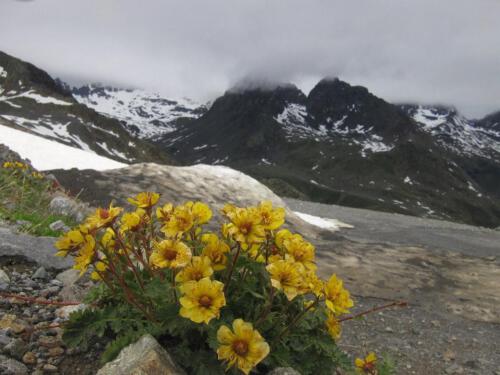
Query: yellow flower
{"type": "Point", "coordinates": [300, 250]}
{"type": "Point", "coordinates": [215, 250]}
{"type": "Point", "coordinates": [199, 268]}
{"type": "Point", "coordinates": [99, 267]}
{"type": "Point", "coordinates": [145, 199]}
{"type": "Point", "coordinates": [86, 254]}
{"type": "Point", "coordinates": [242, 347]}
{"type": "Point", "coordinates": [104, 216]}
{"type": "Point", "coordinates": [281, 236]}
{"type": "Point", "coordinates": [69, 242]}
{"type": "Point", "coordinates": [181, 222]}
{"type": "Point", "coordinates": [337, 298]}
{"type": "Point", "coordinates": [312, 283]}
{"type": "Point", "coordinates": [286, 275]}
{"type": "Point", "coordinates": [132, 221]}
{"type": "Point", "coordinates": [108, 239]}
{"type": "Point", "coordinates": [200, 211]}
{"type": "Point", "coordinates": [366, 365]}
{"type": "Point", "coordinates": [333, 326]}
{"type": "Point", "coordinates": [170, 254]}
{"type": "Point", "coordinates": [272, 218]}
{"type": "Point", "coordinates": [202, 300]}
{"type": "Point", "coordinates": [228, 210]}
{"type": "Point", "coordinates": [37, 175]}
{"type": "Point", "coordinates": [164, 213]}
{"type": "Point", "coordinates": [246, 227]}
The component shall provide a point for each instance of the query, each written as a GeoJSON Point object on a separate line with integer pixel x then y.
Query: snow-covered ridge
{"type": "Point", "coordinates": [33, 95]}
{"type": "Point", "coordinates": [45, 154]}
{"type": "Point", "coordinates": [294, 117]}
{"type": "Point", "coordinates": [146, 115]}
{"type": "Point", "coordinates": [3, 72]}
{"type": "Point", "coordinates": [454, 131]}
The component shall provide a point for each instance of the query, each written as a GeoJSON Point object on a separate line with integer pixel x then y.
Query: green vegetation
{"type": "Point", "coordinates": [25, 196]}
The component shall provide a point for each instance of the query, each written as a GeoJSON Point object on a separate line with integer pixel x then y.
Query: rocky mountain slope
{"type": "Point", "coordinates": [30, 100]}
{"type": "Point", "coordinates": [145, 115]}
{"type": "Point", "coordinates": [341, 144]}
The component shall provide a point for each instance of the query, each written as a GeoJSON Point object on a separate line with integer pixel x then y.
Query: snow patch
{"type": "Point", "coordinates": [324, 223]}
{"type": "Point", "coordinates": [45, 154]}
{"type": "Point", "coordinates": [3, 72]}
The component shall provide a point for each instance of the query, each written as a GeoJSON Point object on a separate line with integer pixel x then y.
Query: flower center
{"type": "Point", "coordinates": [197, 275]}
{"type": "Point", "coordinates": [205, 301]}
{"type": "Point", "coordinates": [169, 254]}
{"type": "Point", "coordinates": [246, 228]}
{"type": "Point", "coordinates": [240, 347]}
{"type": "Point", "coordinates": [103, 213]}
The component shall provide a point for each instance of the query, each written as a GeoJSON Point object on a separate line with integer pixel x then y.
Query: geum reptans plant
{"type": "Point", "coordinates": [245, 299]}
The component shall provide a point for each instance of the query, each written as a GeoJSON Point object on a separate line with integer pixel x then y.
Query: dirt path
{"type": "Point", "coordinates": [449, 273]}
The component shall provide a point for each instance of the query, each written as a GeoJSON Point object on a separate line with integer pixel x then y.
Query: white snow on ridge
{"type": "Point", "coordinates": [324, 223]}
{"type": "Point", "coordinates": [31, 94]}
{"type": "Point", "coordinates": [45, 154]}
{"type": "Point", "coordinates": [151, 114]}
{"type": "Point", "coordinates": [3, 72]}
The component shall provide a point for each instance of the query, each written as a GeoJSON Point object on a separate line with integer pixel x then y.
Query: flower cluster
{"type": "Point", "coordinates": [17, 166]}
{"type": "Point", "coordinates": [205, 274]}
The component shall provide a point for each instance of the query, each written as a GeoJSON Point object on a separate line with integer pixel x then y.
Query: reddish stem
{"type": "Point", "coordinates": [375, 309]}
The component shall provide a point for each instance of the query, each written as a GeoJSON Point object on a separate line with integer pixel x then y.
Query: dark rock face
{"type": "Point", "coordinates": [343, 145]}
{"type": "Point", "coordinates": [32, 101]}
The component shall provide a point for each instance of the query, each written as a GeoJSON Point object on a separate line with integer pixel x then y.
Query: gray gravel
{"type": "Point", "coordinates": [382, 227]}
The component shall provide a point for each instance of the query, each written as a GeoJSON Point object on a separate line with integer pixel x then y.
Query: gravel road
{"type": "Point", "coordinates": [381, 227]}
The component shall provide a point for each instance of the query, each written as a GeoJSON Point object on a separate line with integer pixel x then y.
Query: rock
{"type": "Point", "coordinates": [454, 370]}
{"type": "Point", "coordinates": [144, 357]}
{"type": "Point", "coordinates": [4, 278]}
{"type": "Point", "coordinates": [39, 250]}
{"type": "Point", "coordinates": [283, 371]}
{"type": "Point", "coordinates": [41, 274]}
{"type": "Point", "coordinates": [49, 341]}
{"type": "Point", "coordinates": [49, 368]}
{"type": "Point", "coordinates": [215, 185]}
{"type": "Point", "coordinates": [10, 321]}
{"type": "Point", "coordinates": [29, 358]}
{"type": "Point", "coordinates": [59, 226]}
{"type": "Point", "coordinates": [16, 348]}
{"type": "Point", "coordinates": [56, 352]}
{"type": "Point", "coordinates": [4, 338]}
{"type": "Point", "coordinates": [9, 366]}
{"type": "Point", "coordinates": [63, 205]}
{"type": "Point", "coordinates": [65, 311]}
{"type": "Point", "coordinates": [68, 277]}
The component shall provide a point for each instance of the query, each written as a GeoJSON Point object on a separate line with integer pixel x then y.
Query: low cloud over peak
{"type": "Point", "coordinates": [423, 51]}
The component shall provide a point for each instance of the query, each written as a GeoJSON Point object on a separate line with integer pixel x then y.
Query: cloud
{"type": "Point", "coordinates": [428, 51]}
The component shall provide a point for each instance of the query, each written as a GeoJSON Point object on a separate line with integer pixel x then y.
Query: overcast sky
{"type": "Point", "coordinates": [445, 51]}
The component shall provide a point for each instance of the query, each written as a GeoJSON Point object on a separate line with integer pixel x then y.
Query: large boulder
{"type": "Point", "coordinates": [212, 184]}
{"type": "Point", "coordinates": [144, 357]}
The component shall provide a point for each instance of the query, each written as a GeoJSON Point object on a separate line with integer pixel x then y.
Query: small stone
{"type": "Point", "coordinates": [145, 356]}
{"type": "Point", "coordinates": [65, 311]}
{"type": "Point", "coordinates": [40, 274]}
{"type": "Point", "coordinates": [29, 358]}
{"type": "Point", "coordinates": [283, 371]}
{"type": "Point", "coordinates": [16, 348]}
{"type": "Point", "coordinates": [58, 226]}
{"type": "Point", "coordinates": [454, 370]}
{"type": "Point", "coordinates": [68, 277]}
{"type": "Point", "coordinates": [49, 368]}
{"type": "Point", "coordinates": [491, 258]}
{"type": "Point", "coordinates": [10, 321]}
{"type": "Point", "coordinates": [449, 355]}
{"type": "Point", "coordinates": [56, 352]}
{"type": "Point", "coordinates": [4, 278]}
{"type": "Point", "coordinates": [49, 341]}
{"type": "Point", "coordinates": [4, 338]}
{"type": "Point", "coordinates": [10, 366]}
{"type": "Point", "coordinates": [389, 329]}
